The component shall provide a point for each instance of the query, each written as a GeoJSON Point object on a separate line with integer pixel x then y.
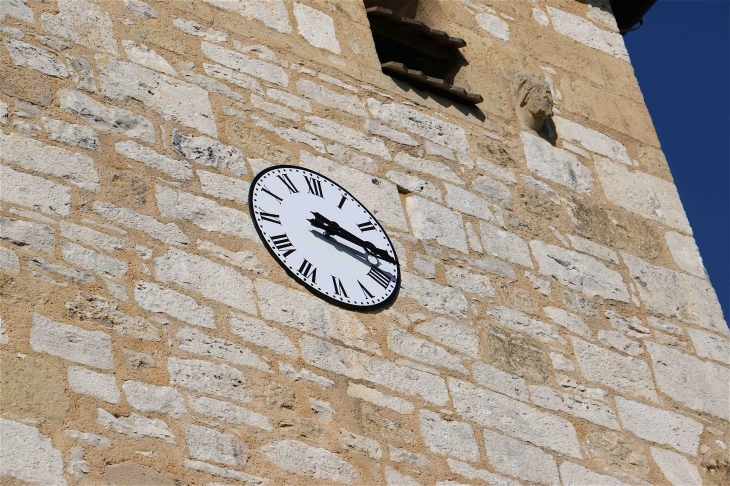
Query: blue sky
{"type": "Point", "coordinates": [681, 56]}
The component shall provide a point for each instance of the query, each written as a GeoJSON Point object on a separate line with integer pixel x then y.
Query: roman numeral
{"type": "Point", "coordinates": [367, 226]}
{"type": "Point", "coordinates": [282, 243]}
{"type": "Point", "coordinates": [288, 183]}
{"type": "Point", "coordinates": [274, 218]}
{"type": "Point", "coordinates": [308, 271]}
{"type": "Point", "coordinates": [315, 187]}
{"type": "Point", "coordinates": [379, 276]}
{"type": "Point", "coordinates": [339, 288]}
{"type": "Point", "coordinates": [365, 291]}
{"type": "Point", "coordinates": [266, 190]}
{"type": "Point", "coordinates": [342, 202]}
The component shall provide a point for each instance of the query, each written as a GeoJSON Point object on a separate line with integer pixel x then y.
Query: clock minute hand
{"type": "Point", "coordinates": [332, 228]}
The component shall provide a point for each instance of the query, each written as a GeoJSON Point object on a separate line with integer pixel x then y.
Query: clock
{"type": "Point", "coordinates": [324, 237]}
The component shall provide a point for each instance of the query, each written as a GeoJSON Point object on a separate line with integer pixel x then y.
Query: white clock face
{"type": "Point", "coordinates": [324, 237]}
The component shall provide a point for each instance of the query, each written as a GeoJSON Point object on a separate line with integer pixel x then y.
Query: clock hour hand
{"type": "Point", "coordinates": [331, 228]}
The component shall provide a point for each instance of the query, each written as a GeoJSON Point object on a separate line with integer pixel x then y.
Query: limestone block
{"type": "Point", "coordinates": [360, 443]}
{"type": "Point", "coordinates": [84, 23]}
{"type": "Point", "coordinates": [449, 438]}
{"type": "Point", "coordinates": [347, 136]}
{"type": "Point", "coordinates": [359, 366]}
{"type": "Point", "coordinates": [179, 169]}
{"type": "Point", "coordinates": [229, 412]}
{"type": "Point", "coordinates": [316, 27]}
{"type": "Point", "coordinates": [643, 194]}
{"type": "Point", "coordinates": [556, 165]}
{"type": "Point", "coordinates": [208, 152]}
{"type": "Point", "coordinates": [521, 322]}
{"type": "Point", "coordinates": [136, 426]}
{"type": "Point", "coordinates": [514, 418]}
{"type": "Point", "coordinates": [406, 344]}
{"type": "Point", "coordinates": [592, 140]}
{"type": "Point", "coordinates": [459, 337]}
{"type": "Point", "coordinates": [685, 253]}
{"type": "Point", "coordinates": [103, 265]}
{"type": "Point", "coordinates": [223, 187]}
{"type": "Point", "coordinates": [241, 62]}
{"type": "Point", "coordinates": [291, 134]}
{"type": "Point", "coordinates": [395, 135]}
{"type": "Point", "coordinates": [431, 221]}
{"type": "Point", "coordinates": [95, 384]}
{"type": "Point", "coordinates": [71, 134]}
{"type": "Point", "coordinates": [675, 467]}
{"type": "Point", "coordinates": [209, 378]}
{"type": "Point", "coordinates": [561, 363]}
{"type": "Point", "coordinates": [149, 398]}
{"type": "Point", "coordinates": [233, 77]}
{"type": "Point", "coordinates": [210, 445]}
{"type": "Point", "coordinates": [193, 28]}
{"type": "Point", "coordinates": [575, 475]}
{"type": "Point", "coordinates": [599, 251]}
{"type": "Point", "coordinates": [469, 282]}
{"type": "Point", "coordinates": [141, 9]}
{"type": "Point", "coordinates": [579, 272]}
{"type": "Point", "coordinates": [505, 245]}
{"type": "Point", "coordinates": [88, 438]}
{"type": "Point", "coordinates": [408, 183]}
{"type": "Point", "coordinates": [577, 406]}
{"type": "Point", "coordinates": [513, 457]}
{"type": "Point", "coordinates": [195, 342]}
{"type": "Point", "coordinates": [305, 460]}
{"type": "Point", "coordinates": [677, 295]}
{"type": "Point", "coordinates": [430, 167]}
{"type": "Point", "coordinates": [468, 203]}
{"type": "Point", "coordinates": [289, 100]}
{"type": "Point", "coordinates": [403, 456]}
{"type": "Point", "coordinates": [622, 373]}
{"type": "Point", "coordinates": [91, 348]}
{"type": "Point", "coordinates": [17, 9]}
{"type": "Point", "coordinates": [29, 455]}
{"type": "Point", "coordinates": [660, 426]}
{"type": "Point", "coordinates": [710, 346]}
{"type": "Point", "coordinates": [106, 118]}
{"type": "Point", "coordinates": [25, 233]}
{"type": "Point", "coordinates": [82, 73]}
{"type": "Point", "coordinates": [66, 272]}
{"type": "Point", "coordinates": [305, 375]}
{"type": "Point", "coordinates": [272, 13]}
{"type": "Point", "coordinates": [145, 56]}
{"type": "Point", "coordinates": [78, 169]}
{"type": "Point", "coordinates": [434, 297]}
{"type": "Point", "coordinates": [588, 33]}
{"type": "Point", "coordinates": [32, 57]}
{"type": "Point", "coordinates": [331, 99]}
{"type": "Point", "coordinates": [156, 298]}
{"type": "Point", "coordinates": [261, 334]}
{"type": "Point", "coordinates": [499, 381]}
{"type": "Point", "coordinates": [700, 385]}
{"type": "Point", "coordinates": [495, 26]}
{"type": "Point", "coordinates": [167, 233]}
{"type": "Point", "coordinates": [375, 397]}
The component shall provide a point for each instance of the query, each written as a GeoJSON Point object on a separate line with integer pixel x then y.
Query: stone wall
{"type": "Point", "coordinates": [555, 323]}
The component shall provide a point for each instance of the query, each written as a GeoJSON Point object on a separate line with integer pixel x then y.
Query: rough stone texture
{"type": "Point", "coordinates": [495, 26]}
{"type": "Point", "coordinates": [406, 344]}
{"type": "Point", "coordinates": [592, 140]}
{"type": "Point", "coordinates": [675, 467]}
{"type": "Point", "coordinates": [229, 412]}
{"type": "Point", "coordinates": [699, 385]}
{"type": "Point", "coordinates": [710, 346]}
{"type": "Point", "coordinates": [83, 23]}
{"type": "Point", "coordinates": [622, 373]}
{"type": "Point", "coordinates": [136, 426]}
{"type": "Point", "coordinates": [347, 136]}
{"type": "Point", "coordinates": [400, 137]}
{"type": "Point", "coordinates": [70, 134]}
{"type": "Point", "coordinates": [459, 337]}
{"type": "Point", "coordinates": [520, 322]}
{"type": "Point", "coordinates": [175, 168]}
{"type": "Point", "coordinates": [210, 445]}
{"type": "Point", "coordinates": [619, 451]}
{"type": "Point", "coordinates": [449, 438]}
{"type": "Point", "coordinates": [133, 474]}
{"type": "Point", "coordinates": [34, 192]}
{"type": "Point", "coordinates": [91, 237]}
{"type": "Point", "coordinates": [105, 312]}
{"type": "Point", "coordinates": [305, 460]}
{"type": "Point", "coordinates": [587, 246]}
{"type": "Point", "coordinates": [359, 366]}
{"type": "Point", "coordinates": [261, 334]}
{"type": "Point", "coordinates": [505, 245]}
{"type": "Point", "coordinates": [331, 99]}
{"type": "Point", "coordinates": [660, 426]}
{"type": "Point", "coordinates": [98, 385]}
{"type": "Point", "coordinates": [575, 475]}
{"type": "Point", "coordinates": [32, 57]}
{"type": "Point", "coordinates": [206, 377]}
{"type": "Point", "coordinates": [193, 28]}
{"type": "Point", "coordinates": [685, 253]}
{"type": "Point", "coordinates": [373, 396]}
{"type": "Point", "coordinates": [28, 455]}
{"type": "Point", "coordinates": [514, 418]}
{"type": "Point", "coordinates": [499, 381]}
{"type": "Point", "coordinates": [156, 298]}
{"type": "Point", "coordinates": [434, 297]}
{"type": "Point", "coordinates": [106, 118]}
{"type": "Point", "coordinates": [273, 14]}
{"type": "Point", "coordinates": [105, 266]}
{"type": "Point", "coordinates": [408, 183]}
{"type": "Point", "coordinates": [195, 342]}
{"type": "Point", "coordinates": [430, 167]}
{"type": "Point", "coordinates": [316, 27]}
{"type": "Point", "coordinates": [587, 33]}
{"type": "Point", "coordinates": [556, 165]}
{"type": "Point", "coordinates": [92, 348]}
{"type": "Point", "coordinates": [209, 152]}
{"type": "Point", "coordinates": [572, 322]}
{"type": "Point", "coordinates": [579, 272]}
{"type": "Point", "coordinates": [467, 202]}
{"type": "Point", "coordinates": [149, 398]}
{"type": "Point", "coordinates": [241, 62]}
{"type": "Point", "coordinates": [31, 387]}
{"type": "Point", "coordinates": [431, 221]}
{"type": "Point", "coordinates": [167, 233]}
{"type": "Point", "coordinates": [24, 233]}
{"type": "Point", "coordinates": [147, 57]}
{"type": "Point", "coordinates": [360, 443]}
{"type": "Point", "coordinates": [577, 406]}
{"type": "Point", "coordinates": [513, 457]}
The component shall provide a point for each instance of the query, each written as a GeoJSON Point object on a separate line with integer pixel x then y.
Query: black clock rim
{"type": "Point", "coordinates": [299, 280]}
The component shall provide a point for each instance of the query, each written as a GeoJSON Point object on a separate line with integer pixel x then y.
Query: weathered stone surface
{"type": "Point", "coordinates": [275, 110]}
{"type": "Point", "coordinates": [617, 340]}
{"type": "Point", "coordinates": [105, 312]}
{"type": "Point", "coordinates": [514, 418]}
{"type": "Point", "coordinates": [378, 195]}
{"type": "Point", "coordinates": [167, 233]}
{"type": "Point", "coordinates": [407, 183]}
{"type": "Point", "coordinates": [26, 85]}
{"type": "Point", "coordinates": [675, 467]}
{"type": "Point", "coordinates": [145, 56]}
{"type": "Point", "coordinates": [352, 158]}
{"type": "Point", "coordinates": [273, 13]}
{"type": "Point", "coordinates": [210, 445]}
{"type": "Point", "coordinates": [135, 360]}
{"type": "Point", "coordinates": [156, 298]}
{"type": "Point", "coordinates": [148, 398]}
{"type": "Point", "coordinates": [243, 259]}
{"type": "Point", "coordinates": [499, 381]}
{"type": "Point", "coordinates": [699, 385]}
{"type": "Point", "coordinates": [88, 438]}
{"type": "Point", "coordinates": [305, 460]}
{"type": "Point", "coordinates": [291, 134]}
{"type": "Point", "coordinates": [106, 118]}
{"type": "Point", "coordinates": [398, 137]}
{"type": "Point", "coordinates": [685, 253]}
{"type": "Point", "coordinates": [261, 334]}
{"type": "Point", "coordinates": [173, 99]}
{"type": "Point", "coordinates": [29, 455]}
{"type": "Point", "coordinates": [404, 456]}
{"type": "Point", "coordinates": [494, 25]}
{"type": "Point", "coordinates": [316, 27]}
{"type": "Point", "coordinates": [513, 457]}
{"type": "Point", "coordinates": [360, 443]}
{"type": "Point", "coordinates": [359, 366]}
{"type": "Point", "coordinates": [92, 348]}
{"type": "Point", "coordinates": [660, 426]}
{"type": "Point", "coordinates": [82, 73]}
{"type": "Point", "coordinates": [78, 169]}
{"type": "Point", "coordinates": [449, 438]}
{"type": "Point", "coordinates": [431, 221]}
{"type": "Point", "coordinates": [305, 375]}
{"type": "Point", "coordinates": [331, 99]}
{"type": "Point", "coordinates": [132, 474]}
{"type": "Point", "coordinates": [587, 33]}
{"type": "Point", "coordinates": [464, 469]}
{"type": "Point", "coordinates": [579, 272]}
{"type": "Point", "coordinates": [677, 295]}
{"type": "Point", "coordinates": [622, 373]}
{"type": "Point", "coordinates": [430, 167]}
{"type": "Point", "coordinates": [210, 378]}
{"type": "Point", "coordinates": [136, 426]}
{"type": "Point", "coordinates": [32, 57]}
{"type": "Point", "coordinates": [17, 9]}
{"type": "Point", "coordinates": [289, 100]}
{"type": "Point", "coordinates": [347, 136]}
{"type": "Point", "coordinates": [575, 475]}
{"type": "Point", "coordinates": [83, 23]}
{"type": "Point", "coordinates": [556, 165]}
{"type": "Point", "coordinates": [103, 265]}
{"type": "Point", "coordinates": [229, 412]}
{"type": "Point", "coordinates": [25, 233]}
{"type": "Point", "coordinates": [643, 194]}
{"type": "Point", "coordinates": [618, 450]}
{"type": "Point", "coordinates": [66, 272]}
{"type": "Point", "coordinates": [375, 397]}
{"type": "Point", "coordinates": [577, 406]}
{"type": "Point", "coordinates": [98, 385]}
{"type": "Point", "coordinates": [309, 314]}
{"type": "Point", "coordinates": [213, 281]}
{"type": "Point", "coordinates": [241, 62]}
{"type": "Point", "coordinates": [70, 134]}
{"type": "Point", "coordinates": [521, 322]}
{"type": "Point", "coordinates": [710, 346]}
{"type": "Point", "coordinates": [468, 203]}
{"type": "Point", "coordinates": [32, 388]}
{"type": "Point", "coordinates": [517, 355]}
{"type": "Point", "coordinates": [561, 363]}
{"type": "Point", "coordinates": [459, 337]}
{"type": "Point", "coordinates": [592, 140]}
{"type": "Point", "coordinates": [179, 169]}
{"type": "Point", "coordinates": [429, 127]}
{"type": "Point", "coordinates": [587, 246]}
{"type": "Point", "coordinates": [195, 342]}
{"type": "Point", "coordinates": [209, 152]}
{"type": "Point", "coordinates": [505, 245]}
{"type": "Point", "coordinates": [141, 9]}
{"type": "Point", "coordinates": [434, 297]}
{"type": "Point", "coordinates": [402, 342]}
{"type": "Point", "coordinates": [193, 28]}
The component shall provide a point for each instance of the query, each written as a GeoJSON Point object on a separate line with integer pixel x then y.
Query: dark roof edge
{"type": "Point", "coordinates": [628, 13]}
